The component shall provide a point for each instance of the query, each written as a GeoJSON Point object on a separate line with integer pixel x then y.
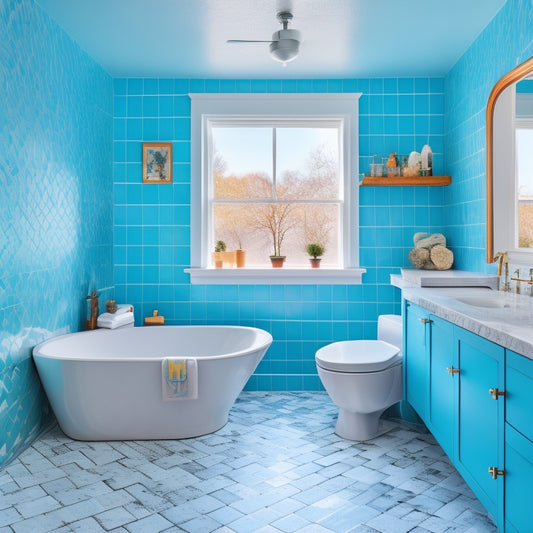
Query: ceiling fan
{"type": "Point", "coordinates": [285, 43]}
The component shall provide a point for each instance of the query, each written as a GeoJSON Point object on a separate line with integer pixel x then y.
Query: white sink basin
{"type": "Point", "coordinates": [483, 301]}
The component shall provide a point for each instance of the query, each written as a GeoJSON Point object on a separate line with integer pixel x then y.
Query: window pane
{"type": "Point", "coordinates": [524, 169]}
{"type": "Point", "coordinates": [307, 163]}
{"type": "Point", "coordinates": [253, 227]}
{"type": "Point", "coordinates": [242, 162]}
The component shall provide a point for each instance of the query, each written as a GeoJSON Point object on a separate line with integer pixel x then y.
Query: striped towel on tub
{"type": "Point", "coordinates": [179, 379]}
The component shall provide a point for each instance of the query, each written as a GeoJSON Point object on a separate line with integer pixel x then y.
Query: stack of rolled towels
{"type": "Point", "coordinates": [123, 316]}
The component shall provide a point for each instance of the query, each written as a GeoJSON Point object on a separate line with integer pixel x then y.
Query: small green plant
{"type": "Point", "coordinates": [220, 246]}
{"type": "Point", "coordinates": [314, 250]}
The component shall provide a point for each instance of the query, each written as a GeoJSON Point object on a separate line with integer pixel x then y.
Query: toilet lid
{"type": "Point", "coordinates": [358, 356]}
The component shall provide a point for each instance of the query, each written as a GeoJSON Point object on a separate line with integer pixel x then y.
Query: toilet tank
{"type": "Point", "coordinates": [390, 330]}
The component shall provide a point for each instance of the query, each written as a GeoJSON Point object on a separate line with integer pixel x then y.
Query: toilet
{"type": "Point", "coordinates": [363, 378]}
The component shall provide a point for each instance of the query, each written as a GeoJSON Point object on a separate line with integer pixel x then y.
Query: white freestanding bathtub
{"type": "Point", "coordinates": [106, 384]}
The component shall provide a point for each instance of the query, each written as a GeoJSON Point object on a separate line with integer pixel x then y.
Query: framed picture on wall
{"type": "Point", "coordinates": [157, 162]}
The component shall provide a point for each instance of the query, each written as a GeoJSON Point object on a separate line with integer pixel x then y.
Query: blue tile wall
{"type": "Point", "coordinates": [56, 203]}
{"type": "Point", "coordinates": [151, 224]}
{"type": "Point", "coordinates": [506, 42]}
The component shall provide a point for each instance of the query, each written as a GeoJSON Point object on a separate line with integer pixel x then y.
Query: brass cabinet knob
{"type": "Point", "coordinates": [452, 370]}
{"type": "Point", "coordinates": [425, 321]}
{"type": "Point", "coordinates": [494, 472]}
{"type": "Point", "coordinates": [496, 393]}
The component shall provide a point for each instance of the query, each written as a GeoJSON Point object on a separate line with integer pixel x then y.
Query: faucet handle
{"type": "Point", "coordinates": [501, 257]}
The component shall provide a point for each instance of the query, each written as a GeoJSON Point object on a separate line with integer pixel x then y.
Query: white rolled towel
{"type": "Point", "coordinates": [112, 320]}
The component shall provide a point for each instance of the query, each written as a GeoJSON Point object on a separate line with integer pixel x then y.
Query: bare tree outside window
{"type": "Point", "coordinates": [279, 212]}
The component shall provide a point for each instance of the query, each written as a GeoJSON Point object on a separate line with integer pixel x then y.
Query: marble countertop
{"type": "Point", "coordinates": [502, 317]}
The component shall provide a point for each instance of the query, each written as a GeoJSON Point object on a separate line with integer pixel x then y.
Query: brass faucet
{"type": "Point", "coordinates": [503, 259]}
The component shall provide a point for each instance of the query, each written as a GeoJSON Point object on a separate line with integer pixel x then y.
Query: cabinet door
{"type": "Point", "coordinates": [443, 384]}
{"type": "Point", "coordinates": [518, 476]}
{"type": "Point", "coordinates": [480, 418]}
{"type": "Point", "coordinates": [416, 358]}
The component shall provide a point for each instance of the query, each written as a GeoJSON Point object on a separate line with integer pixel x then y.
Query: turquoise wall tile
{"type": "Point", "coordinates": [119, 86]}
{"type": "Point", "coordinates": [299, 317]}
{"type": "Point", "coordinates": [503, 44]}
{"type": "Point", "coordinates": [151, 86]}
{"type": "Point", "coordinates": [181, 86]}
{"type": "Point", "coordinates": [166, 86]}
{"type": "Point", "coordinates": [52, 262]}
{"type": "Point", "coordinates": [135, 86]}
{"type": "Point", "coordinates": [150, 105]}
{"type": "Point", "coordinates": [421, 85]}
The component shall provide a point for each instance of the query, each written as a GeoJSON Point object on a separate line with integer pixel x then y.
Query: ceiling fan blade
{"type": "Point", "coordinates": [237, 41]}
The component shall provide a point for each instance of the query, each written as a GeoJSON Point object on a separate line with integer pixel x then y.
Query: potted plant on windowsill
{"type": "Point", "coordinates": [280, 220]}
{"type": "Point", "coordinates": [315, 250]}
{"type": "Point", "coordinates": [276, 220]}
{"type": "Point", "coordinates": [218, 255]}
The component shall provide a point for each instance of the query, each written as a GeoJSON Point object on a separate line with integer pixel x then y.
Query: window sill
{"type": "Point", "coordinates": [275, 276]}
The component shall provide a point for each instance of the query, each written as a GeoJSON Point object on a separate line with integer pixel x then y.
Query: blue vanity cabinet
{"type": "Point", "coordinates": [416, 361]}
{"type": "Point", "coordinates": [443, 383]}
{"type": "Point", "coordinates": [450, 373]}
{"type": "Point", "coordinates": [480, 418]}
{"type": "Point", "coordinates": [518, 443]}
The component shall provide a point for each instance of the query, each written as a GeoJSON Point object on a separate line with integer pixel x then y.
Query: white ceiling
{"type": "Point", "coordinates": [341, 38]}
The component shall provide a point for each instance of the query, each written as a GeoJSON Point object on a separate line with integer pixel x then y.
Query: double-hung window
{"type": "Point", "coordinates": [271, 174]}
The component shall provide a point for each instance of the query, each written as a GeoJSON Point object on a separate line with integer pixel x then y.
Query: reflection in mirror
{"type": "Point", "coordinates": [524, 161]}
{"type": "Point", "coordinates": [510, 165]}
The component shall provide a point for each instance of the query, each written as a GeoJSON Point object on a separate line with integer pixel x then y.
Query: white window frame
{"type": "Point", "coordinates": [209, 109]}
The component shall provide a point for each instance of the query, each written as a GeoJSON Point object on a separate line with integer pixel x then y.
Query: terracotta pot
{"type": "Point", "coordinates": [277, 261]}
{"type": "Point", "coordinates": [218, 259]}
{"type": "Point", "coordinates": [240, 258]}
{"type": "Point", "coordinates": [315, 262]}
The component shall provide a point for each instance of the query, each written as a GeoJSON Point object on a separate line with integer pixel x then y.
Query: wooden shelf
{"type": "Point", "coordinates": [406, 182]}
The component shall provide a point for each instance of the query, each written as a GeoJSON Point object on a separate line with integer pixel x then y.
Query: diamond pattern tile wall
{"type": "Point", "coordinates": [55, 203]}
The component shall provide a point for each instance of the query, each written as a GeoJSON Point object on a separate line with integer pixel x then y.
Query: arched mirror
{"type": "Point", "coordinates": [510, 166]}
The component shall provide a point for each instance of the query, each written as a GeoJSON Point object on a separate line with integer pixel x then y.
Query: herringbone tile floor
{"type": "Point", "coordinates": [276, 466]}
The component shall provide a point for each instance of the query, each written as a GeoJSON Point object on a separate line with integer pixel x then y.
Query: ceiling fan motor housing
{"type": "Point", "coordinates": [285, 45]}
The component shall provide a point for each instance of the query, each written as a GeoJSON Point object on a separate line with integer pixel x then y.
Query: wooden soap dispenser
{"type": "Point", "coordinates": [155, 319]}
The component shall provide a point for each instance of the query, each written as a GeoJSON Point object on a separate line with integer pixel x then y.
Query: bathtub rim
{"type": "Point", "coordinates": [253, 348]}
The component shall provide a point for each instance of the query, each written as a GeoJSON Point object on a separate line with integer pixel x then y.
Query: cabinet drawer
{"type": "Point", "coordinates": [519, 393]}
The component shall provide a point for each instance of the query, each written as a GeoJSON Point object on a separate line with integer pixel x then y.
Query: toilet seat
{"type": "Point", "coordinates": [358, 356]}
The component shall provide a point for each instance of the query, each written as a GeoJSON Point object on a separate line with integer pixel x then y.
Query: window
{"type": "Point", "coordinates": [270, 174]}
{"type": "Point", "coordinates": [275, 188]}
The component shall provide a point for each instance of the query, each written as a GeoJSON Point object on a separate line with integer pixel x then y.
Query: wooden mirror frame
{"type": "Point", "coordinates": [511, 77]}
